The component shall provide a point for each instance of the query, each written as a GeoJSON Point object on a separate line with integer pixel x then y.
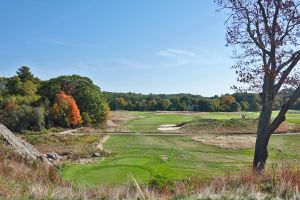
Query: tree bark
{"type": "Point", "coordinates": [262, 139]}
{"type": "Point", "coordinates": [263, 133]}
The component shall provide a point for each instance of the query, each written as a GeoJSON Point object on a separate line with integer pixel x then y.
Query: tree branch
{"type": "Point", "coordinates": [286, 73]}
{"type": "Point", "coordinates": [281, 116]}
{"type": "Point", "coordinates": [265, 18]}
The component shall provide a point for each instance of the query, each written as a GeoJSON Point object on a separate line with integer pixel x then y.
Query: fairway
{"type": "Point", "coordinates": [158, 159]}
{"type": "Point", "coordinates": [150, 121]}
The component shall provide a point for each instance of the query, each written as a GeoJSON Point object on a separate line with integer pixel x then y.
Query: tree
{"type": "Point", "coordinates": [86, 119]}
{"type": "Point", "coordinates": [235, 107]}
{"type": "Point", "coordinates": [265, 34]}
{"type": "Point", "coordinates": [226, 101]}
{"type": "Point", "coordinates": [244, 105]}
{"type": "Point", "coordinates": [206, 105]}
{"type": "Point", "coordinates": [14, 85]}
{"type": "Point", "coordinates": [65, 110]}
{"type": "Point", "coordinates": [87, 95]}
{"type": "Point", "coordinates": [29, 88]}
{"type": "Point", "coordinates": [121, 102]}
{"type": "Point", "coordinates": [25, 74]}
{"type": "Point", "coordinates": [22, 118]}
{"type": "Point", "coordinates": [164, 104]}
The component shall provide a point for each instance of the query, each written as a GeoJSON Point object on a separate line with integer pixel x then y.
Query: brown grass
{"type": "Point", "coordinates": [227, 141]}
{"type": "Point", "coordinates": [76, 146]}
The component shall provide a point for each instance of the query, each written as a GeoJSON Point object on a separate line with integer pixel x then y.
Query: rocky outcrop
{"type": "Point", "coordinates": [21, 147]}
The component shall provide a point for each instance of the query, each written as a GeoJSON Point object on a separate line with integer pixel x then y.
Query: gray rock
{"type": "Point", "coordinates": [96, 154]}
{"type": "Point", "coordinates": [54, 156]}
{"type": "Point", "coordinates": [22, 147]}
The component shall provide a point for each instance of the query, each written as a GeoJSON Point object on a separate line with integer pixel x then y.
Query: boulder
{"type": "Point", "coordinates": [22, 147]}
{"type": "Point", "coordinates": [96, 154]}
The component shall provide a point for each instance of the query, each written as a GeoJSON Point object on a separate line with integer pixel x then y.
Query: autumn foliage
{"type": "Point", "coordinates": [66, 111]}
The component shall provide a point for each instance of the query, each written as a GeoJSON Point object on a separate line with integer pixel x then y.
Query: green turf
{"type": "Point", "coordinates": [150, 121]}
{"type": "Point", "coordinates": [158, 159]}
{"type": "Point", "coordinates": [142, 157]}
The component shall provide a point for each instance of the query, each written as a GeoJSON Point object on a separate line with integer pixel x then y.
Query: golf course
{"type": "Point", "coordinates": [149, 156]}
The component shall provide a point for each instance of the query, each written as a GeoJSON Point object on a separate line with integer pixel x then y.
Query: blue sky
{"type": "Point", "coordinates": [157, 46]}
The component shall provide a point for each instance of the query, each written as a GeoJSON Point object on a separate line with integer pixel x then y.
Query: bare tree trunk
{"type": "Point", "coordinates": [263, 135]}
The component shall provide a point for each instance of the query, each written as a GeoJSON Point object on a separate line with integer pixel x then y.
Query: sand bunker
{"type": "Point", "coordinates": [168, 127]}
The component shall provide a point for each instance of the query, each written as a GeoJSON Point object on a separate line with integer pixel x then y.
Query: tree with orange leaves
{"type": "Point", "coordinates": [65, 110]}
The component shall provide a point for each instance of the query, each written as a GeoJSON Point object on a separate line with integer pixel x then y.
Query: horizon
{"type": "Point", "coordinates": [168, 47]}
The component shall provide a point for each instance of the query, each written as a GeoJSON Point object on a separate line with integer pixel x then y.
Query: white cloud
{"type": "Point", "coordinates": [69, 44]}
{"type": "Point", "coordinates": [175, 52]}
{"type": "Point", "coordinates": [200, 56]}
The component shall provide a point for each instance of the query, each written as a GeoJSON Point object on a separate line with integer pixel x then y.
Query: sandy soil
{"type": "Point", "coordinates": [117, 119]}
{"type": "Point", "coordinates": [101, 142]}
{"type": "Point", "coordinates": [168, 127]}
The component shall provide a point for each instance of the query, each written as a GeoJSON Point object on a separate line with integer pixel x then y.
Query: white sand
{"type": "Point", "coordinates": [168, 127]}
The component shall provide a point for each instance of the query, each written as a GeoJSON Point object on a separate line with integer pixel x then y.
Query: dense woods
{"type": "Point", "coordinates": [188, 102]}
{"type": "Point", "coordinates": [28, 103]}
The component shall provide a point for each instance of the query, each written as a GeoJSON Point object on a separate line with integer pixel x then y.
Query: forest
{"type": "Point", "coordinates": [28, 103]}
{"type": "Point", "coordinates": [188, 102]}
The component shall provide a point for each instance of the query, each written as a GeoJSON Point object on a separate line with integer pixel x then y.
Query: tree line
{"type": "Point", "coordinates": [28, 103]}
{"type": "Point", "coordinates": [188, 102]}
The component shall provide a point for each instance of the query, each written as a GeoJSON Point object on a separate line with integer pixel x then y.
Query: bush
{"type": "Point", "coordinates": [87, 120]}
{"type": "Point", "coordinates": [23, 118]}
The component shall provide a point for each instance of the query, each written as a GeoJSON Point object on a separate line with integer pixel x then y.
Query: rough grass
{"type": "Point", "coordinates": [77, 146]}
{"type": "Point", "coordinates": [218, 126]}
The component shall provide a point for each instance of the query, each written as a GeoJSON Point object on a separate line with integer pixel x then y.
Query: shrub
{"type": "Point", "coordinates": [86, 119]}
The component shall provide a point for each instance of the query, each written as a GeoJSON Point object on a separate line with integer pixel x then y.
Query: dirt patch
{"type": "Point", "coordinates": [286, 127]}
{"type": "Point", "coordinates": [227, 141]}
{"type": "Point", "coordinates": [117, 121]}
{"type": "Point", "coordinates": [101, 142]}
{"type": "Point", "coordinates": [110, 123]}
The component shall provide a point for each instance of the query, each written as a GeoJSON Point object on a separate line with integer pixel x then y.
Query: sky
{"type": "Point", "coordinates": [154, 46]}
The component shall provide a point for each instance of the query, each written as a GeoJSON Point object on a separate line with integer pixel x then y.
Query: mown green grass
{"type": "Point", "coordinates": [144, 157]}
{"type": "Point", "coordinates": [150, 121]}
{"type": "Point", "coordinates": [141, 157]}
{"type": "Point", "coordinates": [159, 159]}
